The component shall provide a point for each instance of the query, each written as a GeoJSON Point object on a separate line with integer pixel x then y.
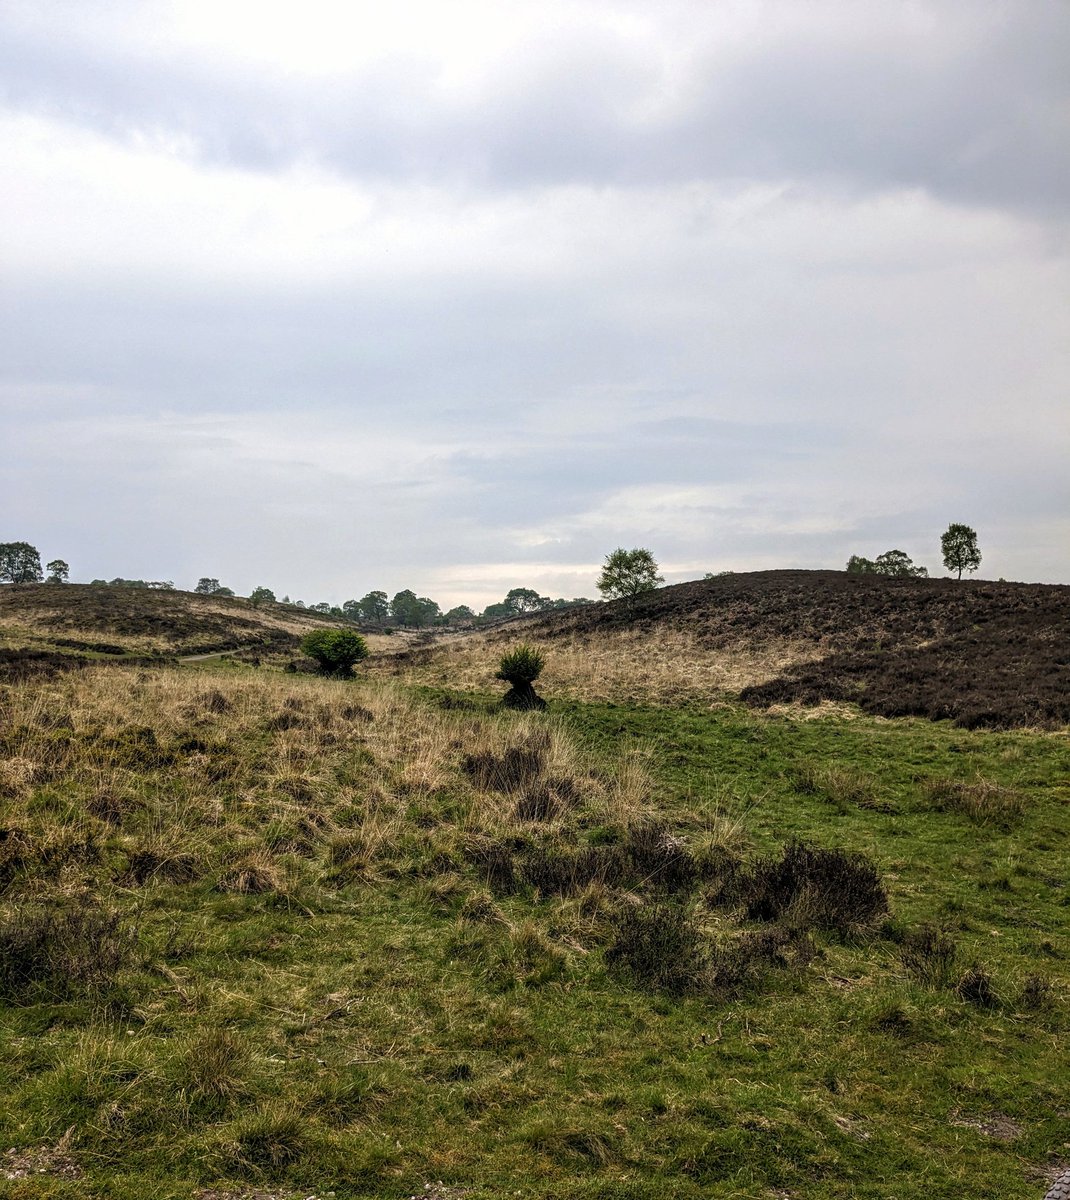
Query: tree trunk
{"type": "Point", "coordinates": [523, 696]}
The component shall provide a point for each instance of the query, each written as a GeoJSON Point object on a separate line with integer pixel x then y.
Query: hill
{"type": "Point", "coordinates": [51, 625]}
{"type": "Point", "coordinates": [984, 654]}
{"type": "Point", "coordinates": [265, 936]}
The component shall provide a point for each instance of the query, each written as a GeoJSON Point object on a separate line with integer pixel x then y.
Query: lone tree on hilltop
{"type": "Point", "coordinates": [959, 545]}
{"type": "Point", "coordinates": [626, 573]}
{"type": "Point", "coordinates": [336, 651]}
{"type": "Point", "coordinates": [520, 667]}
{"type": "Point", "coordinates": [19, 563]}
{"type": "Point", "coordinates": [261, 595]}
{"type": "Point", "coordinates": [58, 571]}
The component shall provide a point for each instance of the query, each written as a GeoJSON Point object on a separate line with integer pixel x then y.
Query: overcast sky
{"type": "Point", "coordinates": [334, 296]}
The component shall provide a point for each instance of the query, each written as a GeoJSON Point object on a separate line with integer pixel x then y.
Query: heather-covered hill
{"type": "Point", "coordinates": [983, 654]}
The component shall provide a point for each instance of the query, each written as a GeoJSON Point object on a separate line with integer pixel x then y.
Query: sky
{"type": "Point", "coordinates": [460, 297]}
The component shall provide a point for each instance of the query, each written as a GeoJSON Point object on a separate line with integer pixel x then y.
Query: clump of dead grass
{"type": "Point", "coordinates": [979, 800]}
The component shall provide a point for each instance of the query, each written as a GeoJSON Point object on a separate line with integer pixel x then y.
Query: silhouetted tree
{"type": "Point", "coordinates": [414, 611]}
{"type": "Point", "coordinates": [262, 595]}
{"type": "Point", "coordinates": [891, 562]}
{"type": "Point", "coordinates": [959, 546]}
{"type": "Point", "coordinates": [19, 563]}
{"type": "Point", "coordinates": [58, 571]}
{"type": "Point", "coordinates": [627, 573]}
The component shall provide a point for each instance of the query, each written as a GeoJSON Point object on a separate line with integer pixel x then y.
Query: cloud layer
{"type": "Point", "coordinates": [331, 301]}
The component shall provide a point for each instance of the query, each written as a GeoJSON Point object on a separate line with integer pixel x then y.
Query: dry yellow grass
{"type": "Point", "coordinates": [205, 762]}
{"type": "Point", "coordinates": [622, 666]}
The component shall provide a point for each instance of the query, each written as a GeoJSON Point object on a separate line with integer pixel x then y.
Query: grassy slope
{"type": "Point", "coordinates": [325, 994]}
{"type": "Point", "coordinates": [84, 620]}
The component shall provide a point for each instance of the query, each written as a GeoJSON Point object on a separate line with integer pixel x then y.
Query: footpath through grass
{"type": "Point", "coordinates": [280, 936]}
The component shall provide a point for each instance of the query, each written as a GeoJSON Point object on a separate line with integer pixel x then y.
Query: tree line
{"type": "Point", "coordinates": [625, 574]}
{"type": "Point", "coordinates": [958, 545]}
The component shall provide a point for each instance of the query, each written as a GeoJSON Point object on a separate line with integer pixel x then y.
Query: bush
{"type": "Point", "coordinates": [53, 953]}
{"type": "Point", "coordinates": [929, 955]}
{"type": "Point", "coordinates": [830, 889]}
{"type": "Point", "coordinates": [521, 665]}
{"type": "Point", "coordinates": [659, 946]}
{"type": "Point", "coordinates": [336, 651]}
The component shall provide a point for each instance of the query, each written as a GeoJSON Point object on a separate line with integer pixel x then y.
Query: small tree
{"type": "Point", "coordinates": [206, 586]}
{"type": "Point", "coordinates": [19, 563]}
{"type": "Point", "coordinates": [959, 545]}
{"type": "Point", "coordinates": [374, 606]}
{"type": "Point", "coordinates": [58, 571]}
{"type": "Point", "coordinates": [897, 562]}
{"type": "Point", "coordinates": [261, 595]}
{"type": "Point", "coordinates": [461, 613]}
{"type": "Point", "coordinates": [336, 651]}
{"type": "Point", "coordinates": [627, 573]}
{"type": "Point", "coordinates": [520, 667]}
{"type": "Point", "coordinates": [526, 600]}
{"type": "Point", "coordinates": [857, 565]}
{"type": "Point", "coordinates": [409, 609]}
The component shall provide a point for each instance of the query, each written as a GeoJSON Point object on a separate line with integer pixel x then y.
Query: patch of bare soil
{"type": "Point", "coordinates": [40, 1160]}
{"type": "Point", "coordinates": [995, 1125]}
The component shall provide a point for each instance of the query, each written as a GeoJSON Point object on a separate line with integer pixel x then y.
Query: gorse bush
{"type": "Point", "coordinates": [521, 665]}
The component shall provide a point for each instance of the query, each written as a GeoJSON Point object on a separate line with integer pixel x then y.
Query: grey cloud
{"type": "Point", "coordinates": [970, 104]}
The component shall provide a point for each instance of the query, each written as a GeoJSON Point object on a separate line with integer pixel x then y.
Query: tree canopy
{"type": "Point", "coordinates": [959, 546]}
{"type": "Point", "coordinates": [411, 610]}
{"type": "Point", "coordinates": [19, 563]}
{"type": "Point", "coordinates": [891, 562]}
{"type": "Point", "coordinates": [627, 573]}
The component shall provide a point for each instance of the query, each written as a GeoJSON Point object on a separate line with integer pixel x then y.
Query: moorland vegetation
{"type": "Point", "coordinates": [267, 934]}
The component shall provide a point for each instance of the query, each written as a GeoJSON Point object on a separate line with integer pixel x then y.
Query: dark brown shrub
{"type": "Point", "coordinates": [547, 800]}
{"type": "Point", "coordinates": [154, 864]}
{"type": "Point", "coordinates": [660, 859]}
{"type": "Point", "coordinates": [977, 987]}
{"type": "Point", "coordinates": [743, 964]}
{"type": "Point", "coordinates": [357, 712]}
{"type": "Point", "coordinates": [658, 946]}
{"type": "Point", "coordinates": [556, 870]}
{"type": "Point", "coordinates": [929, 955]}
{"type": "Point", "coordinates": [1036, 993]}
{"type": "Point", "coordinates": [830, 889]}
{"type": "Point", "coordinates": [54, 952]}
{"type": "Point", "coordinates": [517, 768]}
{"type": "Point", "coordinates": [112, 807]}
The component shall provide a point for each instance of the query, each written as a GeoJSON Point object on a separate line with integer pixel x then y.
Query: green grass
{"type": "Point", "coordinates": [367, 1030]}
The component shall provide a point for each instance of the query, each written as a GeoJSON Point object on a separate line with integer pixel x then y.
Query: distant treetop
{"type": "Point", "coordinates": [19, 563]}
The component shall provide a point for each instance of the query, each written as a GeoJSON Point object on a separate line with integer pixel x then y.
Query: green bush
{"type": "Point", "coordinates": [336, 651]}
{"type": "Point", "coordinates": [523, 664]}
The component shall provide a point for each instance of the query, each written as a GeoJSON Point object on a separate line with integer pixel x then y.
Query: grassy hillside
{"type": "Point", "coordinates": [989, 655]}
{"type": "Point", "coordinates": [272, 936]}
{"type": "Point", "coordinates": [78, 620]}
{"type": "Point", "coordinates": [265, 936]}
